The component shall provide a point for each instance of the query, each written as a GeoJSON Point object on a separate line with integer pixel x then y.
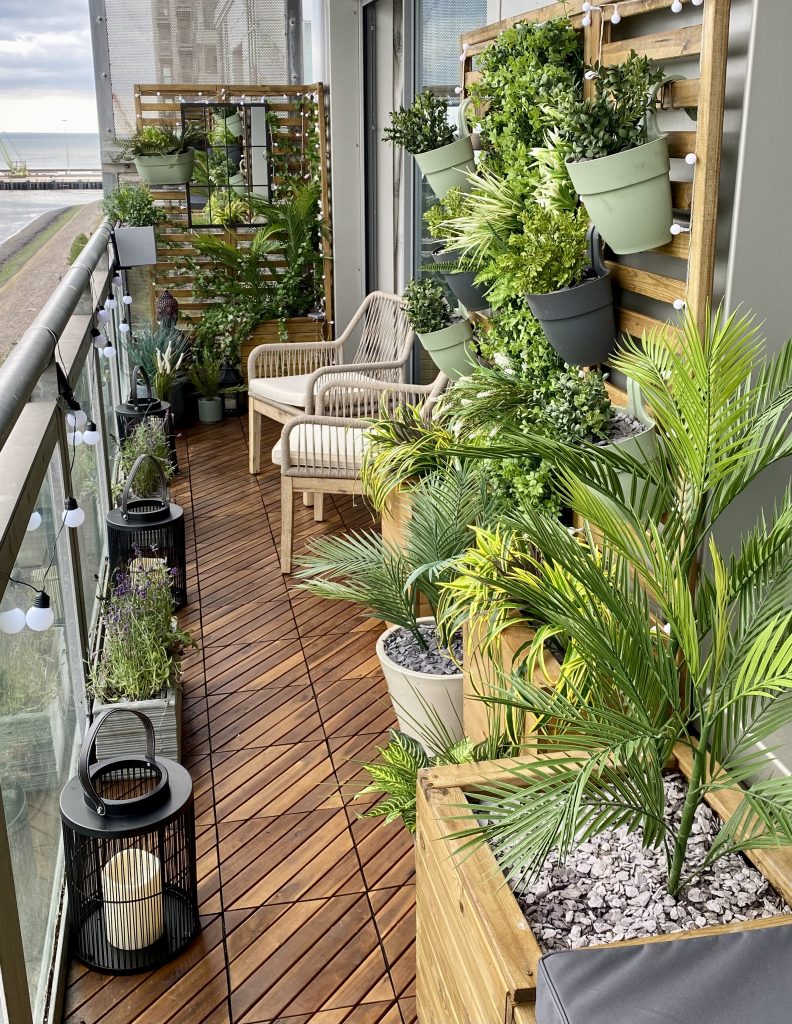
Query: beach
{"type": "Point", "coordinates": [33, 260]}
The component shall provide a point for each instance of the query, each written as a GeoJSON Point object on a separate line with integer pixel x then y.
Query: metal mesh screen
{"type": "Point", "coordinates": [440, 23]}
{"type": "Point", "coordinates": [196, 41]}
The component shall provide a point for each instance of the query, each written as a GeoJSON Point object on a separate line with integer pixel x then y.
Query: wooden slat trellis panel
{"type": "Point", "coordinates": [690, 257]}
{"type": "Point", "coordinates": [161, 104]}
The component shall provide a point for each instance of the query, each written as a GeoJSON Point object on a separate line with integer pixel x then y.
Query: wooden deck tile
{"type": "Point", "coordinates": [307, 911]}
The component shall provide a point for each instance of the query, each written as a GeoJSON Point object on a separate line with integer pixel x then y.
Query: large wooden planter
{"type": "Point", "coordinates": [483, 667]}
{"type": "Point", "coordinates": [476, 955]}
{"type": "Point", "coordinates": [299, 328]}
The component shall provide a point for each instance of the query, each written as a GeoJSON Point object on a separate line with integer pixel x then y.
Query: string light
{"type": "Point", "coordinates": [117, 281]}
{"type": "Point", "coordinates": [12, 621]}
{"type": "Point", "coordinates": [91, 434]}
{"type": "Point", "coordinates": [110, 302]}
{"type": "Point", "coordinates": [676, 7]}
{"type": "Point", "coordinates": [127, 300]}
{"type": "Point", "coordinates": [679, 229]}
{"type": "Point", "coordinates": [40, 616]}
{"type": "Point", "coordinates": [108, 351]}
{"type": "Point", "coordinates": [124, 327]}
{"type": "Point", "coordinates": [679, 304]}
{"type": "Point", "coordinates": [76, 419]}
{"type": "Point", "coordinates": [691, 159]}
{"type": "Point", "coordinates": [616, 16]}
{"type": "Point", "coordinates": [698, 3]}
{"type": "Point", "coordinates": [74, 438]}
{"type": "Point", "coordinates": [34, 522]}
{"type": "Point", "coordinates": [103, 315]}
{"type": "Point", "coordinates": [73, 515]}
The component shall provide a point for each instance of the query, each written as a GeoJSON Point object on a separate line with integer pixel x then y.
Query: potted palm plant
{"type": "Point", "coordinates": [684, 660]}
{"type": "Point", "coordinates": [131, 209]}
{"type": "Point", "coordinates": [422, 674]}
{"type": "Point", "coordinates": [444, 154]}
{"type": "Point", "coordinates": [162, 155]}
{"type": "Point", "coordinates": [205, 377]}
{"type": "Point", "coordinates": [447, 339]}
{"type": "Point", "coordinates": [618, 158]}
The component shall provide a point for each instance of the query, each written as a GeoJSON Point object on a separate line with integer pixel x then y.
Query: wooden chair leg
{"type": "Point", "coordinates": [287, 523]}
{"type": "Point", "coordinates": [308, 499]}
{"type": "Point", "coordinates": [318, 507]}
{"type": "Point", "coordinates": [254, 438]}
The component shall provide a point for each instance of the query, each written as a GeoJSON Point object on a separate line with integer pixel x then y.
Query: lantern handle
{"type": "Point", "coordinates": [140, 370]}
{"type": "Point", "coordinates": [163, 488]}
{"type": "Point", "coordinates": [88, 754]}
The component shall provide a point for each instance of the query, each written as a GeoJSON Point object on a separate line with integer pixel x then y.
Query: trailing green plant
{"type": "Point", "coordinates": [717, 678]}
{"type": "Point", "coordinates": [522, 76]}
{"type": "Point", "coordinates": [223, 329]}
{"type": "Point", "coordinates": [554, 188]}
{"type": "Point", "coordinates": [421, 127]}
{"type": "Point", "coordinates": [132, 206]}
{"type": "Point", "coordinates": [548, 253]}
{"type": "Point", "coordinates": [359, 567]}
{"type": "Point", "coordinates": [79, 242]}
{"type": "Point", "coordinates": [140, 641]}
{"type": "Point", "coordinates": [395, 774]}
{"type": "Point", "coordinates": [403, 445]}
{"type": "Point", "coordinates": [204, 373]}
{"type": "Point", "coordinates": [615, 118]}
{"type": "Point", "coordinates": [146, 341]}
{"type": "Point", "coordinates": [159, 140]}
{"type": "Point", "coordinates": [426, 306]}
{"type": "Point", "coordinates": [148, 437]}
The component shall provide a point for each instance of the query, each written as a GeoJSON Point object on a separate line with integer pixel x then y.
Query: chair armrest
{"type": "Point", "coordinates": [358, 399]}
{"type": "Point", "coordinates": [394, 371]}
{"type": "Point", "coordinates": [291, 358]}
{"type": "Point", "coordinates": [326, 447]}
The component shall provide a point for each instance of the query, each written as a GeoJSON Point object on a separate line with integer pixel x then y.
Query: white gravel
{"type": "Point", "coordinates": [612, 889]}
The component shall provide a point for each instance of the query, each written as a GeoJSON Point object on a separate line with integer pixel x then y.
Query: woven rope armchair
{"type": "Point", "coordinates": [322, 453]}
{"type": "Point", "coordinates": [284, 380]}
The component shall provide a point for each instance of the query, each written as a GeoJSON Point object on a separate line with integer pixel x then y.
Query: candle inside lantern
{"type": "Point", "coordinates": [132, 883]}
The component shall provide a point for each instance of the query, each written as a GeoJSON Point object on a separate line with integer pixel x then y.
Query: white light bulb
{"type": "Point", "coordinates": [691, 159]}
{"type": "Point", "coordinates": [91, 434]}
{"type": "Point", "coordinates": [679, 303]}
{"type": "Point", "coordinates": [587, 6]}
{"type": "Point", "coordinates": [76, 419]}
{"type": "Point", "coordinates": [103, 315]}
{"type": "Point", "coordinates": [615, 17]}
{"type": "Point", "coordinates": [676, 6]}
{"type": "Point", "coordinates": [73, 515]}
{"type": "Point", "coordinates": [698, 3]}
{"type": "Point", "coordinates": [74, 438]}
{"type": "Point", "coordinates": [124, 327]}
{"type": "Point", "coordinates": [127, 300]}
{"type": "Point", "coordinates": [110, 302]}
{"type": "Point", "coordinates": [117, 281]}
{"type": "Point", "coordinates": [676, 229]}
{"type": "Point", "coordinates": [108, 351]}
{"type": "Point", "coordinates": [458, 90]}
{"type": "Point", "coordinates": [667, 629]}
{"type": "Point", "coordinates": [40, 616]}
{"type": "Point", "coordinates": [34, 522]}
{"type": "Point", "coordinates": [590, 75]}
{"type": "Point", "coordinates": [586, 21]}
{"type": "Point", "coordinates": [12, 621]}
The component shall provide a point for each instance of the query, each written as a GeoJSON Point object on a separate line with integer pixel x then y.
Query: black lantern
{"type": "Point", "coordinates": [129, 845]}
{"type": "Point", "coordinates": [140, 407]}
{"type": "Point", "coordinates": [150, 527]}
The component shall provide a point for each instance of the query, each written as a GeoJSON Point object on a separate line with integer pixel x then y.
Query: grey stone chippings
{"type": "Point", "coordinates": [622, 425]}
{"type": "Point", "coordinates": [402, 647]}
{"type": "Point", "coordinates": [611, 888]}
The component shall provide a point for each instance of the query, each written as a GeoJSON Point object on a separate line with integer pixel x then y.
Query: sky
{"type": "Point", "coordinates": [46, 66]}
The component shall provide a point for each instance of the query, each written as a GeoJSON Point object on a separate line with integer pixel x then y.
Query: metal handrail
{"type": "Point", "coordinates": [34, 351]}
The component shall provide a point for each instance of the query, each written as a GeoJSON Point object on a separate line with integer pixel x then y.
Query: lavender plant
{"type": "Point", "coordinates": [141, 640]}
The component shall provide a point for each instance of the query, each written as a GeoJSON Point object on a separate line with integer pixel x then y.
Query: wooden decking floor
{"type": "Point", "coordinates": [307, 911]}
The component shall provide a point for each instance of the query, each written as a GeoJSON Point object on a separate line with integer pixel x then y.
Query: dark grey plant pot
{"type": "Point", "coordinates": [183, 407]}
{"type": "Point", "coordinates": [463, 285]}
{"type": "Point", "coordinates": [580, 322]}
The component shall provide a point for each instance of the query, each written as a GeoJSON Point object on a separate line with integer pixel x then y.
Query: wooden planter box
{"type": "Point", "coordinates": [123, 734]}
{"type": "Point", "coordinates": [476, 954]}
{"type": "Point", "coordinates": [482, 671]}
{"type": "Point", "coordinates": [299, 328]}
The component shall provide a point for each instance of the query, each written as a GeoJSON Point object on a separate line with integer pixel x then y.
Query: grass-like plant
{"type": "Point", "coordinates": [717, 678]}
{"type": "Point", "coordinates": [426, 306]}
{"type": "Point", "coordinates": [615, 118]}
{"type": "Point", "coordinates": [359, 567]}
{"type": "Point", "coordinates": [421, 127]}
{"type": "Point", "coordinates": [149, 340]}
{"type": "Point", "coordinates": [140, 642]}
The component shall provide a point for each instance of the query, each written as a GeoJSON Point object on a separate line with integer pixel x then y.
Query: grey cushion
{"type": "Point", "coordinates": [733, 978]}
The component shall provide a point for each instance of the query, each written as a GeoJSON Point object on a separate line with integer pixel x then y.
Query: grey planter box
{"type": "Point", "coordinates": [123, 734]}
{"type": "Point", "coordinates": [137, 247]}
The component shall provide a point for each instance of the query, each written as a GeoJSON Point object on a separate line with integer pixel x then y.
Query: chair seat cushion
{"type": "Point", "coordinates": [319, 446]}
{"type": "Point", "coordinates": [281, 390]}
{"type": "Point", "coordinates": [728, 978]}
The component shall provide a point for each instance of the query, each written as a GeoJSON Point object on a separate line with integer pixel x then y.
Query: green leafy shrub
{"type": "Point", "coordinates": [421, 127]}
{"type": "Point", "coordinates": [615, 119]}
{"type": "Point", "coordinates": [159, 140]}
{"type": "Point", "coordinates": [79, 242]}
{"type": "Point", "coordinates": [133, 206]}
{"type": "Point", "coordinates": [426, 305]}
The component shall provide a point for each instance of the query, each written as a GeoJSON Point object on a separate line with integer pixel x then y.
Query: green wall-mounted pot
{"type": "Point", "coordinates": [579, 322]}
{"type": "Point", "coordinates": [448, 167]}
{"type": "Point", "coordinates": [451, 349]}
{"type": "Point", "coordinates": [170, 169]}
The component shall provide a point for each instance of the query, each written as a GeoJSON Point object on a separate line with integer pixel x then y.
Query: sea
{"type": "Point", "coordinates": [46, 151]}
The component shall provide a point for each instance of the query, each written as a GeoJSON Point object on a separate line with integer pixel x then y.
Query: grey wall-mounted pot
{"type": "Point", "coordinates": [462, 284]}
